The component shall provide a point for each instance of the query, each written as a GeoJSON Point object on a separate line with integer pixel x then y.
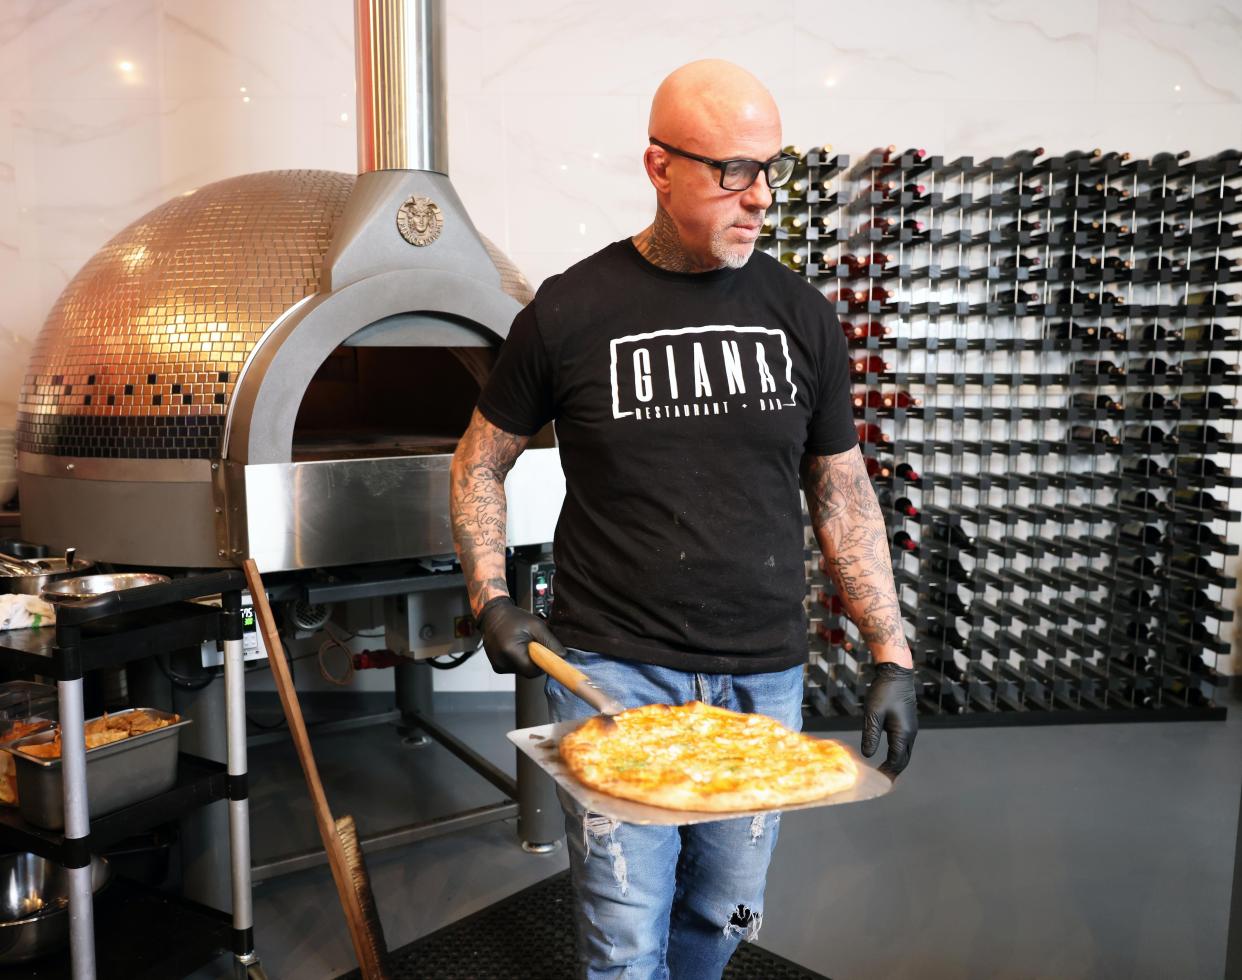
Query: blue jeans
{"type": "Point", "coordinates": [669, 903]}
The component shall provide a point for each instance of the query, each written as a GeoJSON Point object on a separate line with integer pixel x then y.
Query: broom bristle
{"type": "Point", "coordinates": [361, 882]}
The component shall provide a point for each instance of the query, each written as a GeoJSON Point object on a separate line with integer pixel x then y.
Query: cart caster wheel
{"type": "Point", "coordinates": [534, 848]}
{"type": "Point", "coordinates": [417, 740]}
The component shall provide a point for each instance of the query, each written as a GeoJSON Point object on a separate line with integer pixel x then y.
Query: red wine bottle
{"type": "Point", "coordinates": [906, 472]}
{"type": "Point", "coordinates": [870, 365]}
{"type": "Point", "coordinates": [875, 469]}
{"type": "Point", "coordinates": [903, 541]}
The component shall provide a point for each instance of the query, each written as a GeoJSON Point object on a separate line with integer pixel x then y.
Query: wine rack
{"type": "Point", "coordinates": [1045, 368]}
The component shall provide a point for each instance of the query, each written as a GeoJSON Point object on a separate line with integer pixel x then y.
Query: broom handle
{"type": "Point", "coordinates": [301, 741]}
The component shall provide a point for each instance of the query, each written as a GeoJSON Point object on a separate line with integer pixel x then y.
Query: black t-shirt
{"type": "Point", "coordinates": [683, 405]}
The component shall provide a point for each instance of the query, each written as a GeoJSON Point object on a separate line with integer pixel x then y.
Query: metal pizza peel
{"type": "Point", "coordinates": [542, 744]}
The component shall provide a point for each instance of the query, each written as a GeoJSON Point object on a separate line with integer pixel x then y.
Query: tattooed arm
{"type": "Point", "coordinates": [477, 505]}
{"type": "Point", "coordinates": [854, 539]}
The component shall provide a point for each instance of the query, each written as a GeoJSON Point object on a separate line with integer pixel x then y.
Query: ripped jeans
{"type": "Point", "coordinates": [669, 903]}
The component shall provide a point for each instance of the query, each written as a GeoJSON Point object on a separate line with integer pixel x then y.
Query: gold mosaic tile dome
{"type": "Point", "coordinates": [139, 356]}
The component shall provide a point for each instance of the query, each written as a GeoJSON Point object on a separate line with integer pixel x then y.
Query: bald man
{"type": "Point", "coordinates": [693, 381]}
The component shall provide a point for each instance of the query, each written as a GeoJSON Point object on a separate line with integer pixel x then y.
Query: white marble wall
{"type": "Point", "coordinates": [109, 107]}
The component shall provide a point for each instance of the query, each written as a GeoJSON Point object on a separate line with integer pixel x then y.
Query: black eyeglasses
{"type": "Point", "coordinates": [738, 175]}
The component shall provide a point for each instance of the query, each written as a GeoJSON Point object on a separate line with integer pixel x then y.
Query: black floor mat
{"type": "Point", "coordinates": [530, 936]}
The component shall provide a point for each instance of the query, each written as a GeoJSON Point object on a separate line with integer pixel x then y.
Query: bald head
{"type": "Point", "coordinates": [711, 106]}
{"type": "Point", "coordinates": [711, 109]}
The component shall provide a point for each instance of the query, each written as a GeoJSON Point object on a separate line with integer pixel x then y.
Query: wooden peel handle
{"type": "Point", "coordinates": [551, 663]}
{"type": "Point", "coordinates": [572, 678]}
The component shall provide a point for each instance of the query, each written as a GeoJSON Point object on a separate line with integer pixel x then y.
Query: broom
{"type": "Point", "coordinates": [340, 838]}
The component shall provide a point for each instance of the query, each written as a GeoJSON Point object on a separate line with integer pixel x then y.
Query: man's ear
{"type": "Point", "coordinates": [656, 162]}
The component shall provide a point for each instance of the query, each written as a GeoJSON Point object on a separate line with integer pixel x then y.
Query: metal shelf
{"type": "Point", "coordinates": [199, 782]}
{"type": "Point", "coordinates": [142, 934]}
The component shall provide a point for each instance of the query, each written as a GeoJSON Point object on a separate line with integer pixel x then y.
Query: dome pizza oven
{"type": "Point", "coordinates": [279, 365]}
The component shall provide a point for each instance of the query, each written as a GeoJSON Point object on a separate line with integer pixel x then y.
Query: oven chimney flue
{"type": "Point", "coordinates": [400, 64]}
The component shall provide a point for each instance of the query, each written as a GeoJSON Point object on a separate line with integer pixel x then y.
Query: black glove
{"type": "Point", "coordinates": [507, 631]}
{"type": "Point", "coordinates": [889, 705]}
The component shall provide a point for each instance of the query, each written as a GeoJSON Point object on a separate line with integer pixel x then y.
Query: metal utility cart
{"type": "Point", "coordinates": [147, 933]}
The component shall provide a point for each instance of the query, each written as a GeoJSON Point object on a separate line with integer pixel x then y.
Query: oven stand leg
{"type": "Point", "coordinates": [414, 698]}
{"type": "Point", "coordinates": [247, 962]}
{"type": "Point", "coordinates": [540, 821]}
{"type": "Point", "coordinates": [77, 822]}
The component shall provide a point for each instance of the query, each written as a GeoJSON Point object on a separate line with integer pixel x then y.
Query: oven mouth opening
{"type": "Point", "coordinates": [369, 401]}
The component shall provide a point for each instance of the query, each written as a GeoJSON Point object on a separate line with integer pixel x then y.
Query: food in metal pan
{"type": "Point", "coordinates": [103, 731]}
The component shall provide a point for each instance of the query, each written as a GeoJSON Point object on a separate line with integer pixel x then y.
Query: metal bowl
{"type": "Point", "coordinates": [34, 905]}
{"type": "Point", "coordinates": [56, 568]}
{"type": "Point", "coordinates": [89, 586]}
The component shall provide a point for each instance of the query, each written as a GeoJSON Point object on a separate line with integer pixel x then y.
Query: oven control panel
{"type": "Point", "coordinates": [535, 585]}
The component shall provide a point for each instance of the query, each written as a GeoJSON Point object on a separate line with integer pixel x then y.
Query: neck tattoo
{"type": "Point", "coordinates": [659, 245]}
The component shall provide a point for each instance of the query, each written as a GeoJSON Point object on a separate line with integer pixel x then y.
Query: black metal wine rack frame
{"type": "Point", "coordinates": [1052, 358]}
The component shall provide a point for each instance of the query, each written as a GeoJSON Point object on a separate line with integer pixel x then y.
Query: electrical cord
{"type": "Point", "coordinates": [454, 660]}
{"type": "Point", "coordinates": [331, 643]}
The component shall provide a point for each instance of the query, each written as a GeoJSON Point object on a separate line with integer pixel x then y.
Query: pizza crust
{"type": "Point", "coordinates": [698, 757]}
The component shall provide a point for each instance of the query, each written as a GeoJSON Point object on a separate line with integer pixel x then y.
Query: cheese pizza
{"type": "Point", "coordinates": [703, 758]}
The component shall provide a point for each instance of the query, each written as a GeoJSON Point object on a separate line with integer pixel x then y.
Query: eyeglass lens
{"type": "Point", "coordinates": [740, 174]}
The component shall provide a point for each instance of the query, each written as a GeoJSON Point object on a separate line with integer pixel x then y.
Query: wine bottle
{"type": "Point", "coordinates": [1023, 157]}
{"type": "Point", "coordinates": [1096, 403]}
{"type": "Point", "coordinates": [1148, 434]}
{"type": "Point", "coordinates": [950, 569]}
{"type": "Point", "coordinates": [903, 541]}
{"type": "Point", "coordinates": [944, 633]}
{"type": "Point", "coordinates": [834, 636]}
{"type": "Point", "coordinates": [1085, 433]}
{"type": "Point", "coordinates": [947, 601]}
{"type": "Point", "coordinates": [1200, 433]}
{"type": "Point", "coordinates": [1012, 262]}
{"type": "Point", "coordinates": [793, 260]}
{"type": "Point", "coordinates": [795, 224]}
{"type": "Point", "coordinates": [1020, 225]}
{"type": "Point", "coordinates": [1138, 599]}
{"type": "Point", "coordinates": [860, 331]}
{"type": "Point", "coordinates": [873, 434]}
{"type": "Point", "coordinates": [1205, 399]}
{"type": "Point", "coordinates": [1068, 331]}
{"type": "Point", "coordinates": [906, 472]}
{"type": "Point", "coordinates": [1198, 500]}
{"type": "Point", "coordinates": [902, 505]}
{"type": "Point", "coordinates": [1198, 533]}
{"type": "Point", "coordinates": [1211, 297]}
{"type": "Point", "coordinates": [1199, 466]}
{"type": "Point", "coordinates": [870, 365]}
{"type": "Point", "coordinates": [1140, 533]}
{"type": "Point", "coordinates": [875, 469]}
{"type": "Point", "coordinates": [1205, 365]}
{"type": "Point", "coordinates": [1016, 296]}
{"type": "Point", "coordinates": [1073, 155]}
{"type": "Point", "coordinates": [951, 534]}
{"type": "Point", "coordinates": [1093, 367]}
{"type": "Point", "coordinates": [1195, 565]}
{"type": "Point", "coordinates": [1207, 331]}
{"type": "Point", "coordinates": [1142, 500]}
{"type": "Point", "coordinates": [1162, 159]}
{"type": "Point", "coordinates": [1147, 467]}
{"type": "Point", "coordinates": [1164, 262]}
{"type": "Point", "coordinates": [1150, 365]}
